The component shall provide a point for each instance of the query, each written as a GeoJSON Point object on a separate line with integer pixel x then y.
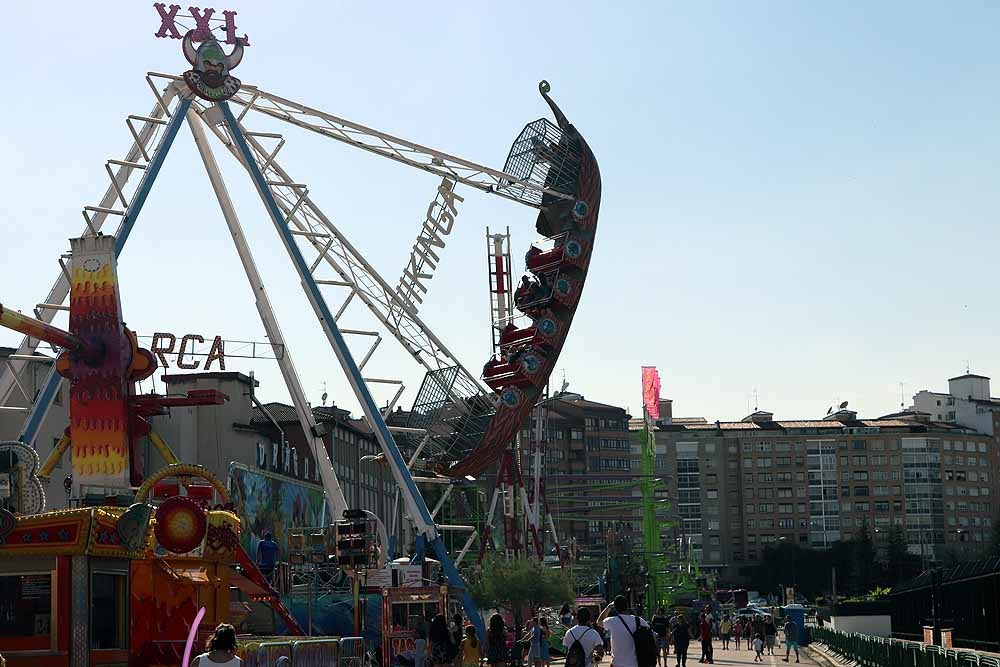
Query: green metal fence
{"type": "Point", "coordinates": [868, 651]}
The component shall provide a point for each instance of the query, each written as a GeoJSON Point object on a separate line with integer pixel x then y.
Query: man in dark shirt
{"type": "Point", "coordinates": [267, 555]}
{"type": "Point", "coordinates": [660, 624]}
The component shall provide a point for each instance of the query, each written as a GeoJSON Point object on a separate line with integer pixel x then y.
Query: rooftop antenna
{"type": "Point", "coordinates": [966, 366]}
{"type": "Point", "coordinates": [565, 383]}
{"type": "Point", "coordinates": [324, 396]}
{"type": "Point", "coordinates": [756, 405]}
{"type": "Point", "coordinates": [902, 395]}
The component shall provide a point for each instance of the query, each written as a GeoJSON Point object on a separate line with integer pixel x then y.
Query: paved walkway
{"type": "Point", "coordinates": [740, 657]}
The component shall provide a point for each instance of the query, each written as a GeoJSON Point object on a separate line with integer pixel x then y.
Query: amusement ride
{"type": "Point", "coordinates": [462, 424]}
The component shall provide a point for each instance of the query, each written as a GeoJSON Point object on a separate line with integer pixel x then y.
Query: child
{"type": "Point", "coordinates": [419, 650]}
{"type": "Point", "coordinates": [738, 632]}
{"type": "Point", "coordinates": [472, 649]}
{"type": "Point", "coordinates": [758, 648]}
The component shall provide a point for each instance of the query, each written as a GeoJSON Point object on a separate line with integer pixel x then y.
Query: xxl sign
{"type": "Point", "coordinates": [424, 259]}
{"type": "Point", "coordinates": [202, 23]}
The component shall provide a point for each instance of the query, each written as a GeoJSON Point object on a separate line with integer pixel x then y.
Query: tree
{"type": "Point", "coordinates": [994, 551]}
{"type": "Point", "coordinates": [864, 560]}
{"type": "Point", "coordinates": [516, 583]}
{"type": "Point", "coordinates": [900, 563]}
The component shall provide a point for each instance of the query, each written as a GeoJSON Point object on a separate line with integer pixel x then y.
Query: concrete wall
{"type": "Point", "coordinates": [206, 435]}
{"type": "Point", "coordinates": [878, 626]}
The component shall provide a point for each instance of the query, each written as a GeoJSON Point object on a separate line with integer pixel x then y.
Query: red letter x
{"type": "Point", "coordinates": [202, 30]}
{"type": "Point", "coordinates": [167, 21]}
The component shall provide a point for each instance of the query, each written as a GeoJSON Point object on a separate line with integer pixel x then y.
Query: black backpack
{"type": "Point", "coordinates": [645, 644]}
{"type": "Point", "coordinates": [575, 656]}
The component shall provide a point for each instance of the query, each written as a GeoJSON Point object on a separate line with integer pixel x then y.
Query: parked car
{"type": "Point", "coordinates": [758, 602]}
{"type": "Point", "coordinates": [751, 612]}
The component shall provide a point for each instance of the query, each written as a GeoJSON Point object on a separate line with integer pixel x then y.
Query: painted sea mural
{"type": "Point", "coordinates": [267, 501]}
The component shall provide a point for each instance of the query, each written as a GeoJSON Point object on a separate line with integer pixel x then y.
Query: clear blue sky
{"type": "Point", "coordinates": [798, 197]}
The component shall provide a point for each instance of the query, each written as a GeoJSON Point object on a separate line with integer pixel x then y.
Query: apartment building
{"type": "Point", "coordinates": [740, 486]}
{"type": "Point", "coordinates": [967, 402]}
{"type": "Point", "coordinates": [590, 468]}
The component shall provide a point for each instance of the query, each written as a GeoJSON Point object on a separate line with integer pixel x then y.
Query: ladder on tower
{"type": "Point", "coordinates": [500, 269]}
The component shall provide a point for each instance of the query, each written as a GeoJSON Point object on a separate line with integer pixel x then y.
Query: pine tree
{"type": "Point", "coordinates": [864, 560]}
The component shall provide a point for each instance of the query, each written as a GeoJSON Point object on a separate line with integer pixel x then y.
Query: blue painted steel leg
{"type": "Point", "coordinates": [336, 338]}
{"type": "Point", "coordinates": [41, 405]}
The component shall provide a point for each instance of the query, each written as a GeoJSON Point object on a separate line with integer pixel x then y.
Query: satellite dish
{"type": "Point", "coordinates": [829, 410]}
{"type": "Point", "coordinates": [843, 405]}
{"type": "Point", "coordinates": [323, 398]}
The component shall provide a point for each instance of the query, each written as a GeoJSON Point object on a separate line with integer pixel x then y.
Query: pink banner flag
{"type": "Point", "coordinates": [651, 391]}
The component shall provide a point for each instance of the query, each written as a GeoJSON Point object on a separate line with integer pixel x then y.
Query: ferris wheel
{"type": "Point", "coordinates": [462, 420]}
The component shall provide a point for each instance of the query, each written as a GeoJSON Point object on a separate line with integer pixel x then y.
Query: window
{"type": "Point", "coordinates": [713, 524]}
{"type": "Point", "coordinates": [712, 494]}
{"type": "Point", "coordinates": [859, 460]}
{"type": "Point", "coordinates": [32, 595]}
{"type": "Point", "coordinates": [108, 610]}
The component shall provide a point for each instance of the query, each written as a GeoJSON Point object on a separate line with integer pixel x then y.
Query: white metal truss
{"type": "Point", "coordinates": [331, 485]}
{"type": "Point", "coordinates": [381, 143]}
{"type": "Point", "coordinates": [327, 246]}
{"type": "Point", "coordinates": [145, 130]}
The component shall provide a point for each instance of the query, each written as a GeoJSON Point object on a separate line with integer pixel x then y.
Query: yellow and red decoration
{"type": "Point", "coordinates": [180, 525]}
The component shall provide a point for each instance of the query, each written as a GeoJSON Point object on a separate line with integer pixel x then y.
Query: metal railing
{"type": "Point", "coordinates": [869, 651]}
{"type": "Point", "coordinates": [307, 652]}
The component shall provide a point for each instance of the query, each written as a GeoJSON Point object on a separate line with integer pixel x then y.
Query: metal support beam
{"type": "Point", "coordinates": [411, 495]}
{"type": "Point", "coordinates": [331, 485]}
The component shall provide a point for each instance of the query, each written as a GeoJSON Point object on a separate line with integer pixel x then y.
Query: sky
{"type": "Point", "coordinates": [799, 199]}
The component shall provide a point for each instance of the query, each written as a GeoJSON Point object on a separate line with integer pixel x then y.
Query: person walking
{"type": "Point", "coordinates": [681, 638]}
{"type": "Point", "coordinates": [267, 555]}
{"type": "Point", "coordinates": [770, 632]}
{"type": "Point", "coordinates": [725, 628]}
{"type": "Point", "coordinates": [221, 649]}
{"type": "Point", "coordinates": [420, 650]}
{"type": "Point", "coordinates": [706, 640]}
{"type": "Point", "coordinates": [620, 625]}
{"type": "Point", "coordinates": [546, 634]}
{"type": "Point", "coordinates": [496, 641]}
{"type": "Point", "coordinates": [588, 638]}
{"type": "Point", "coordinates": [748, 633]}
{"type": "Point", "coordinates": [455, 628]}
{"type": "Point", "coordinates": [472, 649]}
{"type": "Point", "coordinates": [442, 642]}
{"type": "Point", "coordinates": [661, 628]}
{"type": "Point", "coordinates": [758, 649]}
{"type": "Point", "coordinates": [534, 639]}
{"type": "Point", "coordinates": [791, 639]}
{"type": "Point", "coordinates": [737, 632]}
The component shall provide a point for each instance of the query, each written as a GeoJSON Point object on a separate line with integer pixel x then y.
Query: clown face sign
{"type": "Point", "coordinates": [210, 79]}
